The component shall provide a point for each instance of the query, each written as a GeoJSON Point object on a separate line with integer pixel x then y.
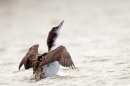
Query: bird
{"type": "Point", "coordinates": [47, 64]}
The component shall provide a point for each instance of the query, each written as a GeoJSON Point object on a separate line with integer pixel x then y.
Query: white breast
{"type": "Point", "coordinates": [51, 69]}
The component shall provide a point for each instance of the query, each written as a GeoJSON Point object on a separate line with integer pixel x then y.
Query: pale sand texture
{"type": "Point", "coordinates": [95, 32]}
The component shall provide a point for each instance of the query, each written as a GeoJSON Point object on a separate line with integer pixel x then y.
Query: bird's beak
{"type": "Point", "coordinates": [59, 26]}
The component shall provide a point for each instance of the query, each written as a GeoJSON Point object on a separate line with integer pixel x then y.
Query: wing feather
{"type": "Point", "coordinates": [67, 59]}
{"type": "Point", "coordinates": [28, 58]}
{"type": "Point", "coordinates": [61, 55]}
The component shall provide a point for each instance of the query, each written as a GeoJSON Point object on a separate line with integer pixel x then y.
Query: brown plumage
{"type": "Point", "coordinates": [59, 54]}
{"type": "Point", "coordinates": [31, 54]}
{"type": "Point", "coordinates": [36, 61]}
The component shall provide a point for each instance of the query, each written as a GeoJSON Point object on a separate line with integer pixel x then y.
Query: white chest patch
{"type": "Point", "coordinates": [51, 69]}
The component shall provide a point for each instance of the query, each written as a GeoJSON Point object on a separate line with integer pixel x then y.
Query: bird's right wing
{"type": "Point", "coordinates": [65, 59]}
{"type": "Point", "coordinates": [59, 54]}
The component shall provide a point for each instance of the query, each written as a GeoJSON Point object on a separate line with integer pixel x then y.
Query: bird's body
{"type": "Point", "coordinates": [50, 69]}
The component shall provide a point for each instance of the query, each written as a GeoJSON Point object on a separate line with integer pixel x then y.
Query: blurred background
{"type": "Point", "coordinates": [92, 28]}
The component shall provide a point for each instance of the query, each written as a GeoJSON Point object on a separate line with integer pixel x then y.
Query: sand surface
{"type": "Point", "coordinates": [95, 32]}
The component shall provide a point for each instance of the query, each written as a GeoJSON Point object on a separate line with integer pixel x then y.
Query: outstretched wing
{"type": "Point", "coordinates": [28, 58]}
{"type": "Point", "coordinates": [61, 55]}
{"type": "Point", "coordinates": [52, 36]}
{"type": "Point", "coordinates": [65, 59]}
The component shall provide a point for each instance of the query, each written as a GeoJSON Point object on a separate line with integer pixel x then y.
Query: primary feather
{"type": "Point", "coordinates": [59, 54]}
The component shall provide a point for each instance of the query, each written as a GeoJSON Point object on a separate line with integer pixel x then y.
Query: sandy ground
{"type": "Point", "coordinates": [95, 32]}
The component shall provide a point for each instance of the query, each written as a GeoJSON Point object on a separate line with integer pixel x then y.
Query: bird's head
{"type": "Point", "coordinates": [57, 28]}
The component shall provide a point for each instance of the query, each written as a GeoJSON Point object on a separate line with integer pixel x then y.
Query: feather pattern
{"type": "Point", "coordinates": [61, 55]}
{"type": "Point", "coordinates": [32, 52]}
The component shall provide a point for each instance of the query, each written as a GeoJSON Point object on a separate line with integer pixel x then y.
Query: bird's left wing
{"type": "Point", "coordinates": [28, 58]}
